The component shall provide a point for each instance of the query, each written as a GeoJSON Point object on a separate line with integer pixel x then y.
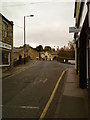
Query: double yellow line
{"type": "Point", "coordinates": [52, 96]}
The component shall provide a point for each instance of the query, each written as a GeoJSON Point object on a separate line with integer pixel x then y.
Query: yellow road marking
{"type": "Point", "coordinates": [52, 96]}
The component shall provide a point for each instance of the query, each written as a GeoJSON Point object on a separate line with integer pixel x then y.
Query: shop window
{"type": "Point", "coordinates": [0, 37]}
{"type": "Point", "coordinates": [5, 29]}
{"type": "Point", "coordinates": [5, 58]}
{"type": "Point", "coordinates": [0, 57]}
{"type": "Point", "coordinates": [0, 32]}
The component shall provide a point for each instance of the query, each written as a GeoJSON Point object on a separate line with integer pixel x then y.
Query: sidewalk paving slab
{"type": "Point", "coordinates": [74, 101]}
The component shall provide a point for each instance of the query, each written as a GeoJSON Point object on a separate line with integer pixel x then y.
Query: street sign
{"type": "Point", "coordinates": [74, 29]}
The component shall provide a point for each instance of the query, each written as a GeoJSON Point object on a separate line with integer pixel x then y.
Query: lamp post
{"type": "Point", "coordinates": [25, 37]}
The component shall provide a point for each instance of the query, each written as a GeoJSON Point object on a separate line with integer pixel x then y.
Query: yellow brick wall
{"type": "Point", "coordinates": [16, 55]}
{"type": "Point", "coordinates": [33, 53]}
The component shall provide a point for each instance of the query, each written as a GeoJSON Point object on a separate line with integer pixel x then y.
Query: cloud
{"type": "Point", "coordinates": [50, 24]}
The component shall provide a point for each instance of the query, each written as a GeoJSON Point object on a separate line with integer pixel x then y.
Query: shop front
{"type": "Point", "coordinates": [5, 53]}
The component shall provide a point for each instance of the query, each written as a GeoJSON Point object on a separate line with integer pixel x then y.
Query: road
{"type": "Point", "coordinates": [26, 94]}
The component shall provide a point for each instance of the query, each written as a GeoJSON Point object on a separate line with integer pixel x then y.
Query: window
{"type": "Point", "coordinates": [0, 57]}
{"type": "Point", "coordinates": [5, 58]}
{"type": "Point", "coordinates": [0, 32]}
{"type": "Point", "coordinates": [4, 29]}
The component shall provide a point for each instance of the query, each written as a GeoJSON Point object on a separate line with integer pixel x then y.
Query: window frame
{"type": "Point", "coordinates": [5, 29]}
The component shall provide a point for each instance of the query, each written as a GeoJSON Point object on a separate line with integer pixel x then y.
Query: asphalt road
{"type": "Point", "coordinates": [26, 94]}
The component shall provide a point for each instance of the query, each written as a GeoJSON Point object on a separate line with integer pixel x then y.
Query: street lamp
{"type": "Point", "coordinates": [25, 36]}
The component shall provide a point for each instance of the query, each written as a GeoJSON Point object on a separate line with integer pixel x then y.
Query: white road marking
{"type": "Point", "coordinates": [45, 80]}
{"type": "Point", "coordinates": [40, 80]}
{"type": "Point", "coordinates": [23, 107]}
{"type": "Point", "coordinates": [28, 107]}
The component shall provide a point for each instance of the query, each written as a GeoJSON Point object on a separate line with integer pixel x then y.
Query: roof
{"type": "Point", "coordinates": [16, 50]}
{"type": "Point", "coordinates": [11, 22]}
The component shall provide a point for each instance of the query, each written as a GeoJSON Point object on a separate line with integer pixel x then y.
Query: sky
{"type": "Point", "coordinates": [49, 25]}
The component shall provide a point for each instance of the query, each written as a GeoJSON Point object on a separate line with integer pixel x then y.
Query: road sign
{"type": "Point", "coordinates": [74, 29]}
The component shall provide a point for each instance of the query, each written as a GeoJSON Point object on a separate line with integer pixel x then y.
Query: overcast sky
{"type": "Point", "coordinates": [49, 26]}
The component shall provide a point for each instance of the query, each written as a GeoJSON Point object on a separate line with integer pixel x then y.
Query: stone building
{"type": "Point", "coordinates": [82, 42]}
{"type": "Point", "coordinates": [48, 55]}
{"type": "Point", "coordinates": [6, 41]}
{"type": "Point", "coordinates": [31, 54]}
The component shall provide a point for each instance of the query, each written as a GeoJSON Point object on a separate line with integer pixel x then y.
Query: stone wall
{"type": "Point", "coordinates": [8, 38]}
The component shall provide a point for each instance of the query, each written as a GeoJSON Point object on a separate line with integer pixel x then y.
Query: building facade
{"type": "Point", "coordinates": [82, 42]}
{"type": "Point", "coordinates": [31, 54]}
{"type": "Point", "coordinates": [6, 41]}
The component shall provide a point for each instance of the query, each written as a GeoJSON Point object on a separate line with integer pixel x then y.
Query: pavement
{"type": "Point", "coordinates": [74, 100]}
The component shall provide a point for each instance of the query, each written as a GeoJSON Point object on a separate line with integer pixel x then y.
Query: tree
{"type": "Point", "coordinates": [68, 53]}
{"type": "Point", "coordinates": [39, 48]}
{"type": "Point", "coordinates": [47, 48]}
{"type": "Point", "coordinates": [71, 45]}
{"type": "Point", "coordinates": [62, 52]}
{"type": "Point", "coordinates": [71, 49]}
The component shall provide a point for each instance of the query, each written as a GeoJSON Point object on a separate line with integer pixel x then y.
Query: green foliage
{"type": "Point", "coordinates": [39, 48]}
{"type": "Point", "coordinates": [71, 45]}
{"type": "Point", "coordinates": [68, 53]}
{"type": "Point", "coordinates": [47, 48]}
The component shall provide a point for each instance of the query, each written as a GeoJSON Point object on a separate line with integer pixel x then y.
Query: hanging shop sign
{"type": "Point", "coordinates": [74, 29]}
{"type": "Point", "coordinates": [4, 45]}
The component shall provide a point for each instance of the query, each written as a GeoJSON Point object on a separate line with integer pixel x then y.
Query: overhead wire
{"type": "Point", "coordinates": [19, 26]}
{"type": "Point", "coordinates": [13, 5]}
